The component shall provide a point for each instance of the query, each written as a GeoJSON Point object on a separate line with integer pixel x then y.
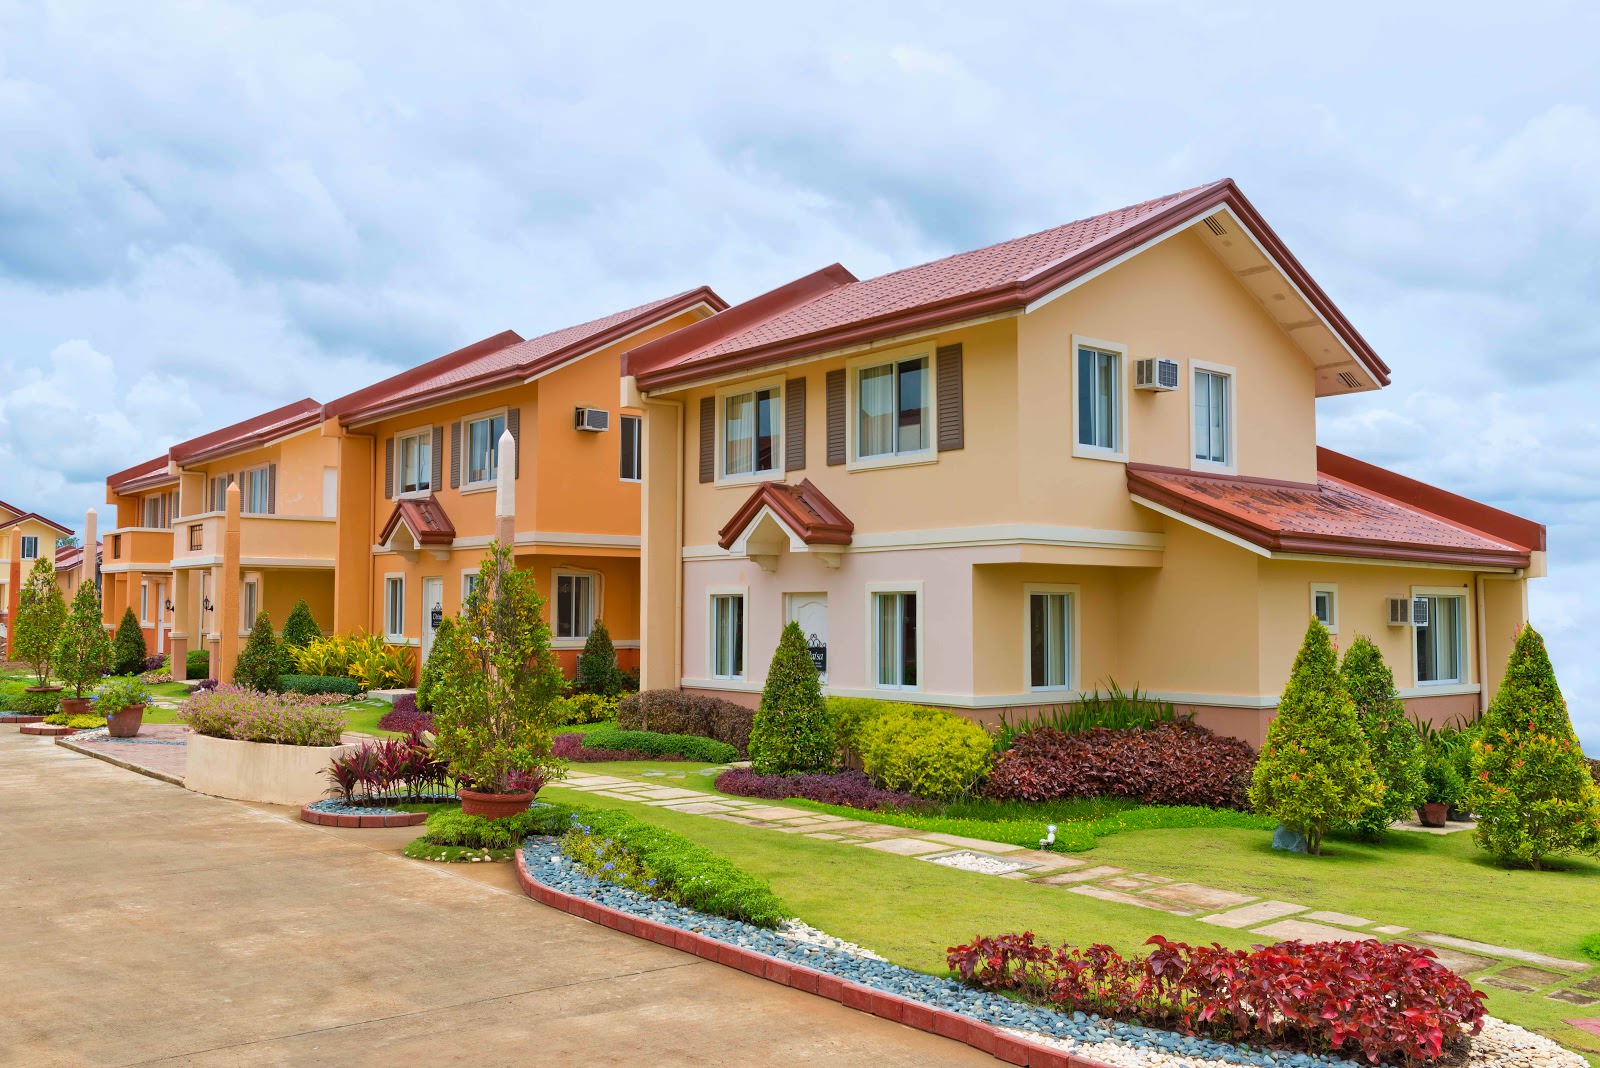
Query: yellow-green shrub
{"type": "Point", "coordinates": [922, 751]}
{"type": "Point", "coordinates": [358, 655]}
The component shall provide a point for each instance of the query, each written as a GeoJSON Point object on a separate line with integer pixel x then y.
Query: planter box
{"type": "Point", "coordinates": [259, 771]}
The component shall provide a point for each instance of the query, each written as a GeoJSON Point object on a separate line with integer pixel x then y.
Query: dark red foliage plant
{"type": "Point", "coordinates": [405, 717]}
{"type": "Point", "coordinates": [387, 770]}
{"type": "Point", "coordinates": [570, 746]}
{"type": "Point", "coordinates": [1387, 1003]}
{"type": "Point", "coordinates": [851, 788]}
{"type": "Point", "coordinates": [1167, 764]}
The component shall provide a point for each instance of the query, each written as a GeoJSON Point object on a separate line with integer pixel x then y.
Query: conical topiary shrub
{"type": "Point", "coordinates": [1392, 739]}
{"type": "Point", "coordinates": [41, 613]}
{"type": "Point", "coordinates": [792, 730]}
{"type": "Point", "coordinates": [83, 652]}
{"type": "Point", "coordinates": [597, 664]}
{"type": "Point", "coordinates": [258, 663]}
{"type": "Point", "coordinates": [300, 628]}
{"type": "Point", "coordinates": [1314, 771]}
{"type": "Point", "coordinates": [1530, 786]}
{"type": "Point", "coordinates": [127, 648]}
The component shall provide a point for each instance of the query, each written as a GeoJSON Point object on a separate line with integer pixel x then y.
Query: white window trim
{"type": "Point", "coordinates": [247, 621]}
{"type": "Point", "coordinates": [872, 589]}
{"type": "Point", "coordinates": [400, 464]}
{"type": "Point", "coordinates": [597, 584]}
{"type": "Point", "coordinates": [1195, 463]}
{"type": "Point", "coordinates": [852, 373]}
{"type": "Point", "coordinates": [22, 547]}
{"type": "Point", "coordinates": [1094, 452]}
{"type": "Point", "coordinates": [638, 437]}
{"type": "Point", "coordinates": [1028, 590]}
{"type": "Point", "coordinates": [770, 474]}
{"type": "Point", "coordinates": [713, 592]}
{"type": "Point", "coordinates": [466, 573]}
{"type": "Point", "coordinates": [390, 636]}
{"type": "Point", "coordinates": [1464, 654]}
{"type": "Point", "coordinates": [466, 449]}
{"type": "Point", "coordinates": [144, 604]}
{"type": "Point", "coordinates": [1332, 590]}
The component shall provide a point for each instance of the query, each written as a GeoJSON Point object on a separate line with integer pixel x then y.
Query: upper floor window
{"type": "Point", "coordinates": [1213, 415]}
{"type": "Point", "coordinates": [576, 605]}
{"type": "Point", "coordinates": [632, 449]}
{"type": "Point", "coordinates": [1099, 399]}
{"type": "Point", "coordinates": [483, 448]}
{"type": "Point", "coordinates": [219, 492]}
{"type": "Point", "coordinates": [414, 455]}
{"type": "Point", "coordinates": [255, 491]}
{"type": "Point", "coordinates": [893, 412]}
{"type": "Point", "coordinates": [158, 510]}
{"type": "Point", "coordinates": [116, 546]}
{"type": "Point", "coordinates": [750, 432]}
{"type": "Point", "coordinates": [30, 547]}
{"type": "Point", "coordinates": [1441, 646]}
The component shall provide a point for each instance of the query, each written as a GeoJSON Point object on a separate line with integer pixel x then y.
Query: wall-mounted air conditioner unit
{"type": "Point", "coordinates": [1408, 612]}
{"type": "Point", "coordinates": [594, 420]}
{"type": "Point", "coordinates": [1155, 374]}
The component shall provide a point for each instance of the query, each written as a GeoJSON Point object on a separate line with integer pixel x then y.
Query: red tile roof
{"type": "Point", "coordinates": [840, 310]}
{"type": "Point", "coordinates": [426, 519]}
{"type": "Point", "coordinates": [1339, 516]}
{"type": "Point", "coordinates": [70, 556]}
{"type": "Point", "coordinates": [148, 475]}
{"type": "Point", "coordinates": [250, 433]}
{"type": "Point", "coordinates": [803, 509]}
{"type": "Point", "coordinates": [35, 516]}
{"type": "Point", "coordinates": [507, 358]}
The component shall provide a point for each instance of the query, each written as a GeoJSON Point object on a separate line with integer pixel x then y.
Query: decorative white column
{"type": "Point", "coordinates": [505, 491]}
{"type": "Point", "coordinates": [90, 536]}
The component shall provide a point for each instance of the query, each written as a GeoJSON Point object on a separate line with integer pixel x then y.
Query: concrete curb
{"type": "Point", "coordinates": [13, 720]}
{"type": "Point", "coordinates": [126, 765]}
{"type": "Point", "coordinates": [349, 819]}
{"type": "Point", "coordinates": [975, 1033]}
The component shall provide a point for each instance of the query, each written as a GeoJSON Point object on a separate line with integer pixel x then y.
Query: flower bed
{"type": "Point", "coordinates": [570, 746]}
{"type": "Point", "coordinates": [251, 746]}
{"type": "Point", "coordinates": [333, 812]}
{"type": "Point", "coordinates": [850, 788]}
{"type": "Point", "coordinates": [249, 716]}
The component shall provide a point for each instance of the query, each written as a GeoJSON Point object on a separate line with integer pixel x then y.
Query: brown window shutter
{"type": "Point", "coordinates": [836, 417]}
{"type": "Point", "coordinates": [388, 469]}
{"type": "Point", "coordinates": [952, 402]}
{"type": "Point", "coordinates": [708, 444]}
{"type": "Point", "coordinates": [272, 489]}
{"type": "Point", "coordinates": [455, 455]}
{"type": "Point", "coordinates": [211, 495]}
{"type": "Point", "coordinates": [436, 476]}
{"type": "Point", "coordinates": [514, 424]}
{"type": "Point", "coordinates": [794, 425]}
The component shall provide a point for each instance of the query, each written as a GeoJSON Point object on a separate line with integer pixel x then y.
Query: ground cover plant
{"type": "Point", "coordinates": [848, 788]}
{"type": "Point", "coordinates": [405, 717]}
{"type": "Point", "coordinates": [572, 745]}
{"type": "Point", "coordinates": [1383, 1003]}
{"type": "Point", "coordinates": [451, 836]}
{"type": "Point", "coordinates": [676, 712]}
{"type": "Point", "coordinates": [251, 716]}
{"type": "Point", "coordinates": [652, 744]}
{"type": "Point", "coordinates": [792, 730]}
{"type": "Point", "coordinates": [1115, 709]}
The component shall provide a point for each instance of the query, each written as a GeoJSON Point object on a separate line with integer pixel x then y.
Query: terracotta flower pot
{"type": "Point", "coordinates": [1433, 813]}
{"type": "Point", "coordinates": [42, 689]}
{"type": "Point", "coordinates": [76, 706]}
{"type": "Point", "coordinates": [494, 806]}
{"type": "Point", "coordinates": [125, 722]}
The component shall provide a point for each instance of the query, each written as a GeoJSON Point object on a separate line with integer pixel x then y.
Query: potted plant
{"type": "Point", "coordinates": [83, 652]}
{"type": "Point", "coordinates": [41, 613]}
{"type": "Point", "coordinates": [122, 700]}
{"type": "Point", "coordinates": [1442, 787]}
{"type": "Point", "coordinates": [497, 692]}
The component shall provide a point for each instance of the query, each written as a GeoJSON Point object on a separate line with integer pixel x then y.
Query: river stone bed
{"type": "Point", "coordinates": [983, 863]}
{"type": "Point", "coordinates": [1091, 1036]}
{"type": "Point", "coordinates": [337, 807]}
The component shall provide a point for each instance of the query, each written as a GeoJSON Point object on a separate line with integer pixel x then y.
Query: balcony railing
{"type": "Point", "coordinates": [296, 540]}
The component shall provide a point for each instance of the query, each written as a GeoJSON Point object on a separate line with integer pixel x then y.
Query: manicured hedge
{"type": "Point", "coordinates": [20, 701]}
{"type": "Point", "coordinates": [676, 712]}
{"type": "Point", "coordinates": [570, 746]}
{"type": "Point", "coordinates": [317, 684]}
{"type": "Point", "coordinates": [197, 665]}
{"type": "Point", "coordinates": [938, 755]}
{"type": "Point", "coordinates": [687, 746]}
{"type": "Point", "coordinates": [452, 827]}
{"type": "Point", "coordinates": [850, 788]}
{"type": "Point", "coordinates": [1169, 764]}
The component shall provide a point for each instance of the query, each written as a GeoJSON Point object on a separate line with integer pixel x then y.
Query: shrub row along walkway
{"type": "Point", "coordinates": [1222, 908]}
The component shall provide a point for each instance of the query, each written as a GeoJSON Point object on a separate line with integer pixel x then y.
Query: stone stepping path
{"type": "Point", "coordinates": [1527, 971]}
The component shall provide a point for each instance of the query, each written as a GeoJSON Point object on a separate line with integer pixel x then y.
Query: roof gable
{"type": "Point", "coordinates": [423, 518]}
{"type": "Point", "coordinates": [803, 509]}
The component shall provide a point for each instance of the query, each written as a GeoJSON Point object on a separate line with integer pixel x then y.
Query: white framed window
{"type": "Point", "coordinates": [144, 603]}
{"type": "Point", "coordinates": [1441, 646]}
{"type": "Point", "coordinates": [1325, 605]}
{"type": "Point", "coordinates": [413, 462]}
{"type": "Point", "coordinates": [1211, 419]}
{"type": "Point", "coordinates": [1098, 411]}
{"type": "Point", "coordinates": [394, 608]}
{"type": "Point", "coordinates": [751, 442]}
{"type": "Point", "coordinates": [249, 603]}
{"type": "Point", "coordinates": [1051, 629]}
{"type": "Point", "coordinates": [469, 582]}
{"type": "Point", "coordinates": [255, 494]}
{"type": "Point", "coordinates": [483, 449]}
{"type": "Point", "coordinates": [30, 546]}
{"type": "Point", "coordinates": [893, 408]}
{"type": "Point", "coordinates": [632, 461]}
{"type": "Point", "coordinates": [577, 603]}
{"type": "Point", "coordinates": [727, 646]}
{"type": "Point", "coordinates": [895, 625]}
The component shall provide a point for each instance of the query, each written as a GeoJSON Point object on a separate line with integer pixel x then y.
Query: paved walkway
{"type": "Point", "coordinates": [148, 925]}
{"type": "Point", "coordinates": [1279, 920]}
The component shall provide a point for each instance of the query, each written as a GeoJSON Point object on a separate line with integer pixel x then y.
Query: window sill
{"type": "Point", "coordinates": [477, 487]}
{"type": "Point", "coordinates": [1208, 467]}
{"type": "Point", "coordinates": [906, 459]}
{"type": "Point", "coordinates": [1093, 452]}
{"type": "Point", "coordinates": [413, 495]}
{"type": "Point", "coordinates": [736, 481]}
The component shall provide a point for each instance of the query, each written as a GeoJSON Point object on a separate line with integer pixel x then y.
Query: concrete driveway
{"type": "Point", "coordinates": [143, 924]}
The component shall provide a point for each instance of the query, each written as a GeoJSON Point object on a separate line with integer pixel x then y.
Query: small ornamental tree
{"type": "Point", "coordinates": [1392, 739]}
{"type": "Point", "coordinates": [300, 628]}
{"type": "Point", "coordinates": [259, 663]}
{"type": "Point", "coordinates": [83, 652]}
{"type": "Point", "coordinates": [792, 729]}
{"type": "Point", "coordinates": [127, 648]}
{"type": "Point", "coordinates": [428, 681]}
{"type": "Point", "coordinates": [597, 664]}
{"type": "Point", "coordinates": [1314, 771]}
{"type": "Point", "coordinates": [1530, 787]}
{"type": "Point", "coordinates": [499, 686]}
{"type": "Point", "coordinates": [41, 613]}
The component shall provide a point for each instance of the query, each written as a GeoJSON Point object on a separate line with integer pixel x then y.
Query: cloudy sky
{"type": "Point", "coordinates": [209, 210]}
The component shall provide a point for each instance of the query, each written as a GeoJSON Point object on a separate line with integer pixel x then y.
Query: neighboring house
{"type": "Point", "coordinates": [69, 569]}
{"type": "Point", "coordinates": [24, 537]}
{"type": "Point", "coordinates": [136, 553]}
{"type": "Point", "coordinates": [418, 459]}
{"type": "Point", "coordinates": [1005, 477]}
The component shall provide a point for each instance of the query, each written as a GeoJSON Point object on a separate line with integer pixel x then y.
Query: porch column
{"type": "Point", "coordinates": [226, 598]}
{"type": "Point", "coordinates": [90, 536]}
{"type": "Point", "coordinates": [184, 635]}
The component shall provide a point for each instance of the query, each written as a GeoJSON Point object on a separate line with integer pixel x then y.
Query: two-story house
{"type": "Point", "coordinates": [136, 551]}
{"type": "Point", "coordinates": [24, 537]}
{"type": "Point", "coordinates": [1005, 477]}
{"type": "Point", "coordinates": [419, 456]}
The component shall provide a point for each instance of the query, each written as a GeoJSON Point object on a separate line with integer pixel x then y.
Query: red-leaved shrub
{"type": "Point", "coordinates": [570, 746]}
{"type": "Point", "coordinates": [1167, 764]}
{"type": "Point", "coordinates": [1386, 1002]}
{"type": "Point", "coordinates": [850, 788]}
{"type": "Point", "coordinates": [405, 717]}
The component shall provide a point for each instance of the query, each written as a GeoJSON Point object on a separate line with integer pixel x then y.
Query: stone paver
{"type": "Point", "coordinates": [905, 847]}
{"type": "Point", "coordinates": [1250, 915]}
{"type": "Point", "coordinates": [1572, 997]}
{"type": "Point", "coordinates": [209, 933]}
{"type": "Point", "coordinates": [1390, 929]}
{"type": "Point", "coordinates": [1306, 931]}
{"type": "Point", "coordinates": [1120, 898]}
{"type": "Point", "coordinates": [970, 843]}
{"type": "Point", "coordinates": [1197, 896]}
{"type": "Point", "coordinates": [1080, 876]}
{"type": "Point", "coordinates": [1536, 977]}
{"type": "Point", "coordinates": [1462, 963]}
{"type": "Point", "coordinates": [699, 807]}
{"type": "Point", "coordinates": [1526, 956]}
{"type": "Point", "coordinates": [1343, 919]}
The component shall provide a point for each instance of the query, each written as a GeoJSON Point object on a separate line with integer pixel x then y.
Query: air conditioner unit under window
{"type": "Point", "coordinates": [1155, 374]}
{"type": "Point", "coordinates": [592, 419]}
{"type": "Point", "coordinates": [1408, 611]}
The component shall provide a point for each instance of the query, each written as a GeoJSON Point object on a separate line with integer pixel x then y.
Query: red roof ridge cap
{"type": "Point", "coordinates": [1174, 204]}
{"type": "Point", "coordinates": [221, 441]}
{"type": "Point", "coordinates": [482, 347]}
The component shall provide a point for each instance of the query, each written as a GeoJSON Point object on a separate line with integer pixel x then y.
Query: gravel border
{"type": "Point", "coordinates": [332, 806]}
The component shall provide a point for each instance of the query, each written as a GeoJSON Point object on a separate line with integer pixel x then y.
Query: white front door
{"type": "Point", "coordinates": [810, 610]}
{"type": "Point", "coordinates": [432, 609]}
